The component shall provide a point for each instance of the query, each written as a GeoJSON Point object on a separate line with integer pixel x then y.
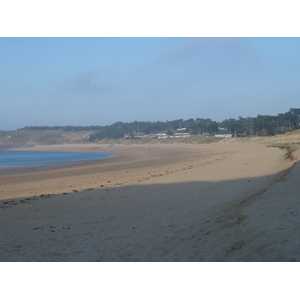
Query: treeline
{"type": "Point", "coordinates": [136, 129]}
{"type": "Point", "coordinates": [64, 128]}
{"type": "Point", "coordinates": [262, 125]}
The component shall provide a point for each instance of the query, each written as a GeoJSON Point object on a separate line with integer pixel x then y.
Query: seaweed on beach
{"type": "Point", "coordinates": [289, 147]}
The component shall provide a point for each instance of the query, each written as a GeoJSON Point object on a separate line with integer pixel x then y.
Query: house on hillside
{"type": "Point", "coordinates": [162, 135]}
{"type": "Point", "coordinates": [223, 134]}
{"type": "Point", "coordinates": [181, 134]}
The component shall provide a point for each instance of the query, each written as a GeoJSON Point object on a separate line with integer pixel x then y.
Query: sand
{"type": "Point", "coordinates": [225, 201]}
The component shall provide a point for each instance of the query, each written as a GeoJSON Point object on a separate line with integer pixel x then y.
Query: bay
{"type": "Point", "coordinates": [18, 161]}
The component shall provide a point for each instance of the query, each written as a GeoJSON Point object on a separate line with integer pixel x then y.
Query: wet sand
{"type": "Point", "coordinates": [226, 201]}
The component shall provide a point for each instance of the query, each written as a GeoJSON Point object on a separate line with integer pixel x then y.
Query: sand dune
{"type": "Point", "coordinates": [226, 201]}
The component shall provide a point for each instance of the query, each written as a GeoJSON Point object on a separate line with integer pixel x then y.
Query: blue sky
{"type": "Point", "coordinates": [99, 81]}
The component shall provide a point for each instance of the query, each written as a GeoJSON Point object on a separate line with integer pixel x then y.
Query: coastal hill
{"type": "Point", "coordinates": [197, 130]}
{"type": "Point", "coordinates": [30, 138]}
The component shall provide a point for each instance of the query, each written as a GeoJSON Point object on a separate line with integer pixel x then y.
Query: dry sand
{"type": "Point", "coordinates": [226, 201]}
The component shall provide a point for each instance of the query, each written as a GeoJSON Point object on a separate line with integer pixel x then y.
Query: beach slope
{"type": "Point", "coordinates": [226, 201]}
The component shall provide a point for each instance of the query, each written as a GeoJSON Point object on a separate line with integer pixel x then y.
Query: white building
{"type": "Point", "coordinates": [223, 134]}
{"type": "Point", "coordinates": [162, 135]}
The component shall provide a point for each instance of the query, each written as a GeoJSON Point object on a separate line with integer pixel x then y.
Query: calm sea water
{"type": "Point", "coordinates": [18, 161]}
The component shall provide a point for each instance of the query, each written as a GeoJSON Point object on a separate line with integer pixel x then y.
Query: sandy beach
{"type": "Point", "coordinates": [226, 201]}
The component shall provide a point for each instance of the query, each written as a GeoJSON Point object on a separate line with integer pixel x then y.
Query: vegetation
{"type": "Point", "coordinates": [21, 138]}
{"type": "Point", "coordinates": [262, 125]}
{"type": "Point", "coordinates": [64, 128]}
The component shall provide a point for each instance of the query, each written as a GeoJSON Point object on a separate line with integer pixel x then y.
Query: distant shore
{"type": "Point", "coordinates": [154, 202]}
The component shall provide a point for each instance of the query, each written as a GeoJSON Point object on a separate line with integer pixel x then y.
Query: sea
{"type": "Point", "coordinates": [12, 162]}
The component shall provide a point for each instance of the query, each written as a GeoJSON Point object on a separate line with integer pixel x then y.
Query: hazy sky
{"type": "Point", "coordinates": [99, 81]}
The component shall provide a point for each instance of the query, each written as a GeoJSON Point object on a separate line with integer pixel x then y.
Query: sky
{"type": "Point", "coordinates": [101, 80]}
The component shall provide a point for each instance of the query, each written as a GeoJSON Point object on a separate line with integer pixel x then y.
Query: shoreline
{"type": "Point", "coordinates": [211, 202]}
{"type": "Point", "coordinates": [128, 159]}
{"type": "Point", "coordinates": [39, 167]}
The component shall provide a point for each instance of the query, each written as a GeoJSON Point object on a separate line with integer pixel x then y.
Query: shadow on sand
{"type": "Point", "coordinates": [249, 219]}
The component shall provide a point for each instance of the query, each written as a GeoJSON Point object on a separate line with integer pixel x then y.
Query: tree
{"type": "Point", "coordinates": [170, 132]}
{"type": "Point", "coordinates": [272, 127]}
{"type": "Point", "coordinates": [234, 127]}
{"type": "Point", "coordinates": [213, 127]}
